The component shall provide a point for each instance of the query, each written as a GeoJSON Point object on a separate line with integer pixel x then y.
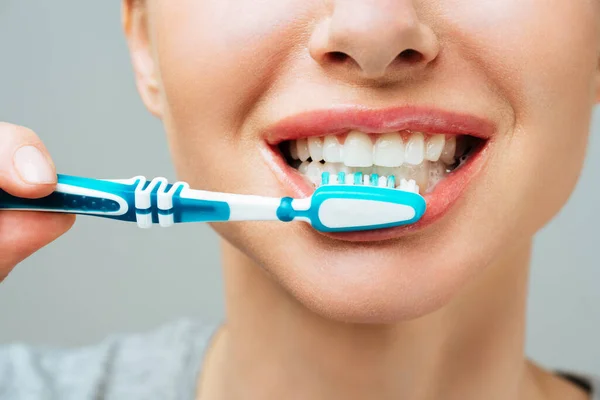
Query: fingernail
{"type": "Point", "coordinates": [33, 166]}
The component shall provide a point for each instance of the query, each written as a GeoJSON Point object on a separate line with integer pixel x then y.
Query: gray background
{"type": "Point", "coordinates": [65, 72]}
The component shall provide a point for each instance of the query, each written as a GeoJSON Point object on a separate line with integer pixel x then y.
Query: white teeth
{"type": "Point", "coordinates": [449, 151]}
{"type": "Point", "coordinates": [303, 167]}
{"type": "Point", "coordinates": [415, 149]}
{"type": "Point", "coordinates": [388, 150]}
{"type": "Point", "coordinates": [335, 168]}
{"type": "Point", "coordinates": [332, 168]}
{"type": "Point", "coordinates": [314, 171]}
{"type": "Point", "coordinates": [315, 148]}
{"type": "Point", "coordinates": [434, 147]}
{"type": "Point", "coordinates": [302, 149]}
{"type": "Point", "coordinates": [294, 150]}
{"type": "Point", "coordinates": [358, 150]}
{"type": "Point", "coordinates": [332, 149]}
{"type": "Point", "coordinates": [363, 170]}
{"type": "Point", "coordinates": [414, 164]}
{"type": "Point", "coordinates": [340, 167]}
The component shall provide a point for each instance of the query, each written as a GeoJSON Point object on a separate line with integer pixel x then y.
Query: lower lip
{"type": "Point", "coordinates": [439, 202]}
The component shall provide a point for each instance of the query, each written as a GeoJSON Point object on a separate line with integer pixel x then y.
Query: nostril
{"type": "Point", "coordinates": [410, 56]}
{"type": "Point", "coordinates": [337, 56]}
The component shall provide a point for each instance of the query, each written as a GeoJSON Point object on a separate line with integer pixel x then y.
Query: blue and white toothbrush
{"type": "Point", "coordinates": [341, 204]}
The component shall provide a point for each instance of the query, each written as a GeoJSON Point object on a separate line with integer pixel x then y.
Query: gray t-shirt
{"type": "Point", "coordinates": [160, 365]}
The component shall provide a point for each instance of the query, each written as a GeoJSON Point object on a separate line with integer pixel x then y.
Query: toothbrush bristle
{"type": "Point", "coordinates": [391, 181]}
{"type": "Point", "coordinates": [358, 178]}
{"type": "Point", "coordinates": [361, 179]}
{"type": "Point", "coordinates": [374, 179]}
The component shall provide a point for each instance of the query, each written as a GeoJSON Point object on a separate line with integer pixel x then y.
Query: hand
{"type": "Point", "coordinates": [26, 170]}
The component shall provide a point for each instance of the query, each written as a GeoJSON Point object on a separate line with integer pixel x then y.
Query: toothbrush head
{"type": "Point", "coordinates": [358, 202]}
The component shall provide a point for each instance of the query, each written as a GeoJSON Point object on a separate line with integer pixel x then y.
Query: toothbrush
{"type": "Point", "coordinates": [343, 203]}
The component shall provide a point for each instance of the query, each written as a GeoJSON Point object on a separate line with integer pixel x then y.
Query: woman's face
{"type": "Point", "coordinates": [236, 80]}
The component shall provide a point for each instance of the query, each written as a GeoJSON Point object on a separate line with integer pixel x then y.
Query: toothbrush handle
{"type": "Point", "coordinates": [78, 195]}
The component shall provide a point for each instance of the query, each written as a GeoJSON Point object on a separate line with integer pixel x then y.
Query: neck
{"type": "Point", "coordinates": [273, 347]}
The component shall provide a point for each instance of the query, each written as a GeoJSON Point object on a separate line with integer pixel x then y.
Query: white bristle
{"type": "Point", "coordinates": [409, 186]}
{"type": "Point", "coordinates": [382, 182]}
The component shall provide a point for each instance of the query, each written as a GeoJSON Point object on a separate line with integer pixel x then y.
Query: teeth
{"type": "Point", "coordinates": [358, 150]}
{"type": "Point", "coordinates": [362, 170]}
{"type": "Point", "coordinates": [314, 171]}
{"type": "Point", "coordinates": [315, 148]}
{"type": "Point", "coordinates": [343, 168]}
{"type": "Point", "coordinates": [415, 149]}
{"type": "Point", "coordinates": [302, 149]}
{"type": "Point", "coordinates": [449, 151]}
{"type": "Point", "coordinates": [303, 167]}
{"type": "Point", "coordinates": [410, 165]}
{"type": "Point", "coordinates": [294, 150]}
{"type": "Point", "coordinates": [332, 168]}
{"type": "Point", "coordinates": [435, 146]}
{"type": "Point", "coordinates": [388, 150]}
{"type": "Point", "coordinates": [332, 149]}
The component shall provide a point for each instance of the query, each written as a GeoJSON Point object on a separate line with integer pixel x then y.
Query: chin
{"type": "Point", "coordinates": [374, 282]}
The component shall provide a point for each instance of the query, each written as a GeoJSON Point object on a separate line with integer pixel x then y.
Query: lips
{"type": "Point", "coordinates": [344, 119]}
{"type": "Point", "coordinates": [419, 119]}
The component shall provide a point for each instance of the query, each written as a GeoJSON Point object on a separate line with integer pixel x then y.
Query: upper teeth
{"type": "Point", "coordinates": [302, 149]}
{"type": "Point", "coordinates": [358, 150]}
{"type": "Point", "coordinates": [332, 149]}
{"type": "Point", "coordinates": [389, 150]}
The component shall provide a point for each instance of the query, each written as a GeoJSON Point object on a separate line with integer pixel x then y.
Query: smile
{"type": "Point", "coordinates": [440, 151]}
{"type": "Point", "coordinates": [389, 157]}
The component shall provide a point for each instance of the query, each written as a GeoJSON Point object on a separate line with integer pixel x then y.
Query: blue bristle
{"type": "Point", "coordinates": [391, 182]}
{"type": "Point", "coordinates": [358, 178]}
{"type": "Point", "coordinates": [374, 179]}
{"type": "Point", "coordinates": [325, 178]}
{"type": "Point", "coordinates": [341, 177]}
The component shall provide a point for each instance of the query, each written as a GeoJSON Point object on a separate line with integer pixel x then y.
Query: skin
{"type": "Point", "coordinates": [439, 313]}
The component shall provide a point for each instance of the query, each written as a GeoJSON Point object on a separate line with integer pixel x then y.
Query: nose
{"type": "Point", "coordinates": [373, 38]}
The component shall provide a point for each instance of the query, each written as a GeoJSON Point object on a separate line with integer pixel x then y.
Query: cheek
{"type": "Point", "coordinates": [543, 59]}
{"type": "Point", "coordinates": [216, 59]}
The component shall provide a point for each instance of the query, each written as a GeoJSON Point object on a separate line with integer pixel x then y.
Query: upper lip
{"type": "Point", "coordinates": [408, 118]}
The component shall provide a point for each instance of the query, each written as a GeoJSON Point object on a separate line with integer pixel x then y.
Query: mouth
{"type": "Point", "coordinates": [440, 151]}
